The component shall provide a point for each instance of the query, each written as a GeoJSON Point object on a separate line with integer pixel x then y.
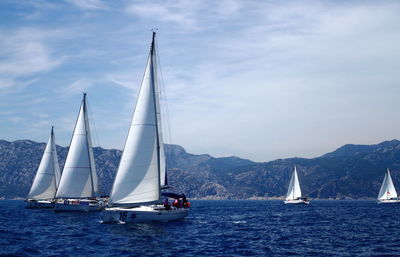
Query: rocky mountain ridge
{"type": "Point", "coordinates": [350, 172]}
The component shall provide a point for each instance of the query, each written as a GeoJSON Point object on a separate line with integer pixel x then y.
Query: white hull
{"type": "Point", "coordinates": [298, 201]}
{"type": "Point", "coordinates": [65, 205]}
{"type": "Point", "coordinates": [143, 214]}
{"type": "Point", "coordinates": [389, 201]}
{"type": "Point", "coordinates": [39, 204]}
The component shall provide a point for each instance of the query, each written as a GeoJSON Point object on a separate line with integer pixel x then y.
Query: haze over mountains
{"type": "Point", "coordinates": [350, 172]}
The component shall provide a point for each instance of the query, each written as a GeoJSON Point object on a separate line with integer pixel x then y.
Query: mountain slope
{"type": "Point", "coordinates": [351, 171]}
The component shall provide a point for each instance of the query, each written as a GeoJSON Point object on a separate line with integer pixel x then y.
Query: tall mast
{"type": "Point", "coordinates": [52, 158]}
{"type": "Point", "coordinates": [152, 53]}
{"type": "Point", "coordinates": [87, 141]}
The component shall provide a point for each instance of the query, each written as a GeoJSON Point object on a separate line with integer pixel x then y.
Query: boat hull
{"type": "Point", "coordinates": [40, 204]}
{"type": "Point", "coordinates": [388, 201]}
{"type": "Point", "coordinates": [298, 201]}
{"type": "Point", "coordinates": [142, 214]}
{"type": "Point", "coordinates": [73, 205]}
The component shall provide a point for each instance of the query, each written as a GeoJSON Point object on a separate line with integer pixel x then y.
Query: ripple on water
{"type": "Point", "coordinates": [213, 228]}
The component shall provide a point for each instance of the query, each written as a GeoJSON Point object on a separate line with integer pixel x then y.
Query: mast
{"type": "Point", "coordinates": [294, 190]}
{"type": "Point", "coordinates": [296, 185]}
{"type": "Point", "coordinates": [77, 180]}
{"type": "Point", "coordinates": [152, 55]}
{"type": "Point", "coordinates": [87, 141]}
{"type": "Point", "coordinates": [44, 185]}
{"type": "Point", "coordinates": [54, 164]}
{"type": "Point", "coordinates": [137, 181]}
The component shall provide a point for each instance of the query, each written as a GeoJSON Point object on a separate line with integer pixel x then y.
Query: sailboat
{"type": "Point", "coordinates": [294, 192]}
{"type": "Point", "coordinates": [78, 187]}
{"type": "Point", "coordinates": [136, 194]}
{"type": "Point", "coordinates": [44, 186]}
{"type": "Point", "coordinates": [388, 193]}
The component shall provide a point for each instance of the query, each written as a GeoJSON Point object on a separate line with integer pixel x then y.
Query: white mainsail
{"type": "Point", "coordinates": [138, 176]}
{"type": "Point", "coordinates": [46, 181]}
{"type": "Point", "coordinates": [294, 191]}
{"type": "Point", "coordinates": [387, 189]}
{"type": "Point", "coordinates": [79, 178]}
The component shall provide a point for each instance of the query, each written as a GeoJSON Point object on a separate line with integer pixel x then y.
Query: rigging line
{"type": "Point", "coordinates": [165, 117]}
{"type": "Point", "coordinates": [91, 120]}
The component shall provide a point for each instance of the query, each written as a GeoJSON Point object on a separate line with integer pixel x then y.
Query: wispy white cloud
{"type": "Point", "coordinates": [6, 82]}
{"type": "Point", "coordinates": [89, 4]}
{"type": "Point", "coordinates": [24, 53]}
{"type": "Point", "coordinates": [296, 65]}
{"type": "Point", "coordinates": [182, 13]}
{"type": "Point", "coordinates": [15, 119]}
{"type": "Point", "coordinates": [259, 79]}
{"type": "Point", "coordinates": [79, 86]}
{"type": "Point", "coordinates": [123, 80]}
{"type": "Point", "coordinates": [42, 124]}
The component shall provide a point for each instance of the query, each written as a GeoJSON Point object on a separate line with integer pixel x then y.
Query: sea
{"type": "Point", "coordinates": [213, 228]}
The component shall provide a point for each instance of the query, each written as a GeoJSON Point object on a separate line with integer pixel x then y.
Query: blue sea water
{"type": "Point", "coordinates": [213, 228]}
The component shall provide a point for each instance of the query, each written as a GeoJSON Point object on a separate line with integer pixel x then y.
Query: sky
{"type": "Point", "coordinates": [257, 79]}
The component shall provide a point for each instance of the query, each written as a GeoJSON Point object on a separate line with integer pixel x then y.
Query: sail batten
{"type": "Point", "coordinates": [138, 176]}
{"type": "Point", "coordinates": [47, 177]}
{"type": "Point", "coordinates": [79, 178]}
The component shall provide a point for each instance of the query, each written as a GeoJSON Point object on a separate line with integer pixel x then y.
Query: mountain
{"type": "Point", "coordinates": [350, 172]}
{"type": "Point", "coordinates": [20, 159]}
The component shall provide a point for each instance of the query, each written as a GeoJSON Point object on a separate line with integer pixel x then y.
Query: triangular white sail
{"type": "Point", "coordinates": [79, 179]}
{"type": "Point", "coordinates": [138, 176]}
{"type": "Point", "coordinates": [387, 189]}
{"type": "Point", "coordinates": [46, 181]}
{"type": "Point", "coordinates": [294, 191]}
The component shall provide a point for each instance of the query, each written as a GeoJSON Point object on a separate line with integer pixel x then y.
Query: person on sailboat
{"type": "Point", "coordinates": [166, 204]}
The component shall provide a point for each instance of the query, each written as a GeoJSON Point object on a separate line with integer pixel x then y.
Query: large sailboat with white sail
{"type": "Point", "coordinates": [388, 193]}
{"type": "Point", "coordinates": [294, 192]}
{"type": "Point", "coordinates": [78, 189]}
{"type": "Point", "coordinates": [45, 184]}
{"type": "Point", "coordinates": [136, 194]}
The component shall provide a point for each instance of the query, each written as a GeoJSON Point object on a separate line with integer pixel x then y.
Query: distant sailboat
{"type": "Point", "coordinates": [388, 193]}
{"type": "Point", "coordinates": [78, 185]}
{"type": "Point", "coordinates": [44, 186]}
{"type": "Point", "coordinates": [294, 192]}
{"type": "Point", "coordinates": [136, 194]}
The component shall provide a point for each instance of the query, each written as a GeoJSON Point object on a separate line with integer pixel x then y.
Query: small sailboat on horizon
{"type": "Point", "coordinates": [293, 195]}
{"type": "Point", "coordinates": [78, 189]}
{"type": "Point", "coordinates": [387, 193]}
{"type": "Point", "coordinates": [136, 194]}
{"type": "Point", "coordinates": [45, 184]}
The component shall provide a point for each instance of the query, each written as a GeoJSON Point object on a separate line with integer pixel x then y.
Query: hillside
{"type": "Point", "coordinates": [352, 171]}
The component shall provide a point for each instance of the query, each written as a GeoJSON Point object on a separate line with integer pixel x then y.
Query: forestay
{"type": "Point", "coordinates": [47, 177]}
{"type": "Point", "coordinates": [387, 189]}
{"type": "Point", "coordinates": [79, 178]}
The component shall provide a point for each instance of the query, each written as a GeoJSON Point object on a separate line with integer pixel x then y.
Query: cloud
{"type": "Point", "coordinates": [15, 119]}
{"type": "Point", "coordinates": [25, 53]}
{"type": "Point", "coordinates": [123, 80]}
{"type": "Point", "coordinates": [88, 4]}
{"type": "Point", "coordinates": [259, 79]}
{"type": "Point", "coordinates": [298, 73]}
{"type": "Point", "coordinates": [79, 86]}
{"type": "Point", "coordinates": [41, 124]}
{"type": "Point", "coordinates": [179, 12]}
{"type": "Point", "coordinates": [6, 82]}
